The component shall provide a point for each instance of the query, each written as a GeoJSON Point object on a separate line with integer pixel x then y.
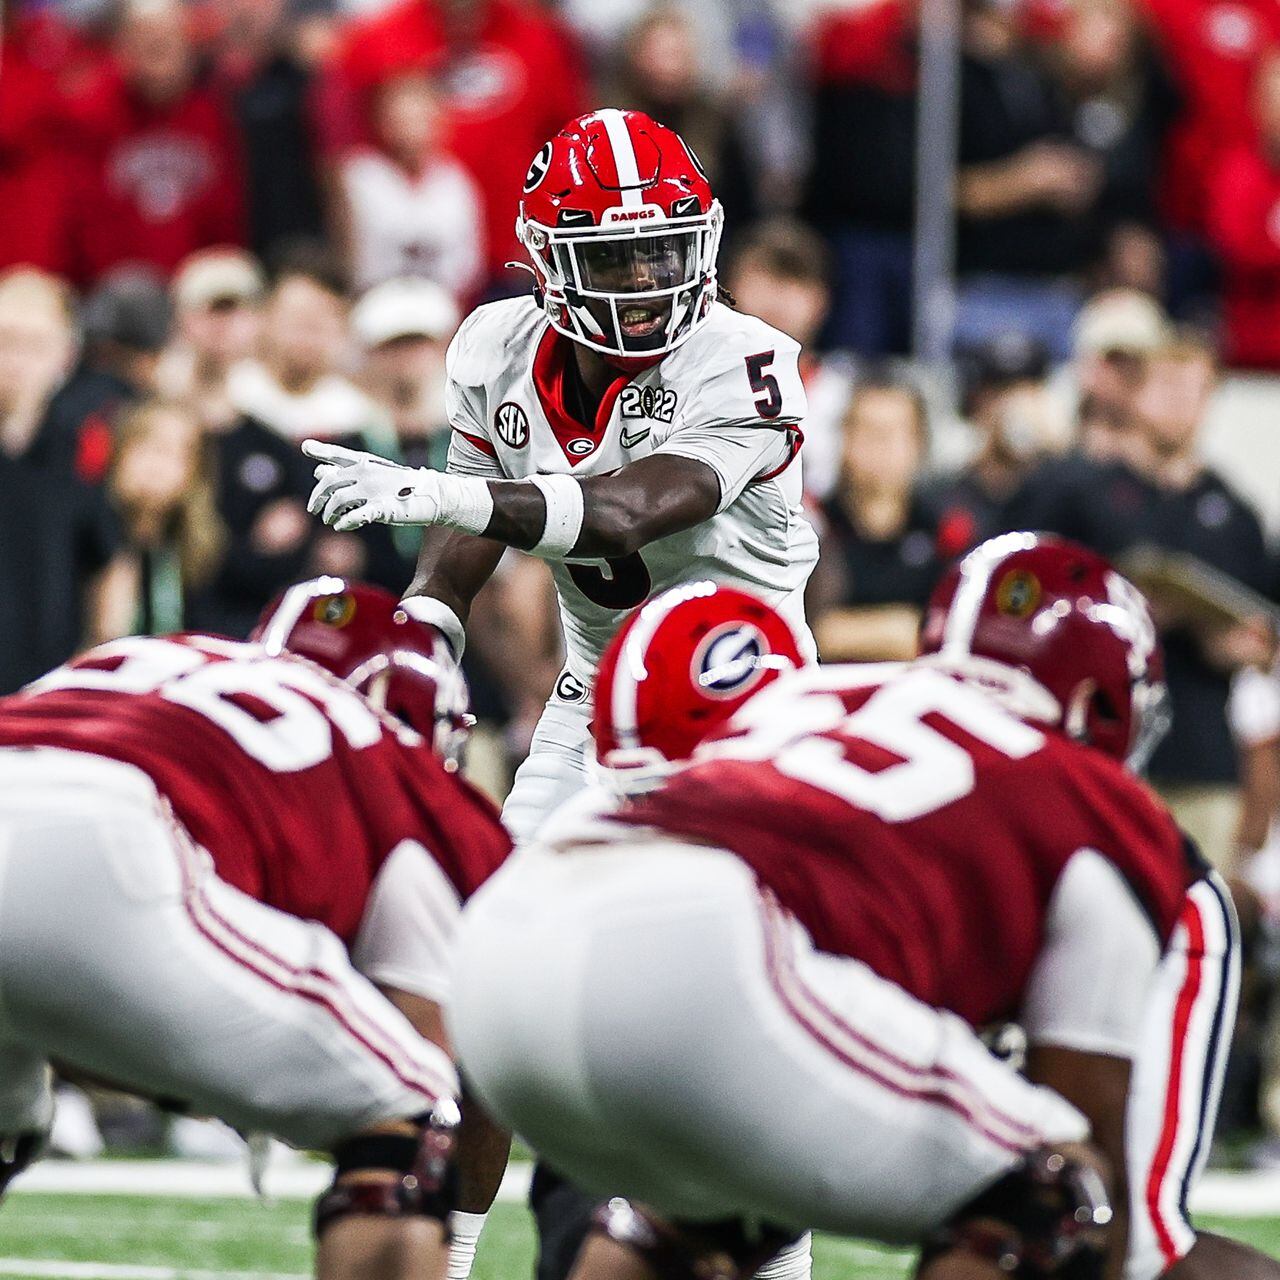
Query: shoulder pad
{"type": "Point", "coordinates": [488, 337]}
{"type": "Point", "coordinates": [737, 370]}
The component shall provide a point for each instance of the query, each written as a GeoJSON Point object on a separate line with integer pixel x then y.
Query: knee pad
{"type": "Point", "coordinates": [706, 1251]}
{"type": "Point", "coordinates": [421, 1158]}
{"type": "Point", "coordinates": [1048, 1217]}
{"type": "Point", "coordinates": [16, 1154]}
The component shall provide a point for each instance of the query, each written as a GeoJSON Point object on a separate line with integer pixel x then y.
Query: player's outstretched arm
{"type": "Point", "coordinates": [615, 515]}
{"type": "Point", "coordinates": [551, 516]}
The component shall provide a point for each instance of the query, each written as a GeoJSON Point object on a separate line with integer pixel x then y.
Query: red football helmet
{"type": "Point", "coordinates": [678, 668]}
{"type": "Point", "coordinates": [622, 230]}
{"type": "Point", "coordinates": [361, 634]}
{"type": "Point", "coordinates": [1059, 635]}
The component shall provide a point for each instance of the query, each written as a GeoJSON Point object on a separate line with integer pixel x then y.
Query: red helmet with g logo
{"type": "Point", "coordinates": [360, 634]}
{"type": "Point", "coordinates": [622, 231]}
{"type": "Point", "coordinates": [1054, 631]}
{"type": "Point", "coordinates": [678, 668]}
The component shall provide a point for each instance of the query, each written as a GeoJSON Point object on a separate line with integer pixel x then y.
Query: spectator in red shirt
{"type": "Point", "coordinates": [1244, 225]}
{"type": "Point", "coordinates": [41, 60]}
{"type": "Point", "coordinates": [1214, 48]}
{"type": "Point", "coordinates": [161, 174]}
{"type": "Point", "coordinates": [510, 77]}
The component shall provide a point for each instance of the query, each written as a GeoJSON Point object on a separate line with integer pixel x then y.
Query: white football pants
{"type": "Point", "coordinates": [123, 955]}
{"type": "Point", "coordinates": [656, 1027]}
{"type": "Point", "coordinates": [555, 769]}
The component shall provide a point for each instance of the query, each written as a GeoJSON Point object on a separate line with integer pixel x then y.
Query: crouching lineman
{"type": "Point", "coordinates": [231, 878]}
{"type": "Point", "coordinates": [747, 1000]}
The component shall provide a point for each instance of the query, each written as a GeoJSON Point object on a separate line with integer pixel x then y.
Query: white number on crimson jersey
{"type": "Point", "coordinates": [805, 737]}
{"type": "Point", "coordinates": [297, 734]}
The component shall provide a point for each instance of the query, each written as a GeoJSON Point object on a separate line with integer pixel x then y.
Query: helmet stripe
{"type": "Point", "coordinates": [630, 667]}
{"type": "Point", "coordinates": [976, 571]}
{"type": "Point", "coordinates": [624, 156]}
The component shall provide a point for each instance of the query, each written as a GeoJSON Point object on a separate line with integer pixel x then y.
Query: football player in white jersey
{"type": "Point", "coordinates": [623, 423]}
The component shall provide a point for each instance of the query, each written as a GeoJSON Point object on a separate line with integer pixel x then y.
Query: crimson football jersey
{"type": "Point", "coordinates": [908, 821]}
{"type": "Point", "coordinates": [297, 788]}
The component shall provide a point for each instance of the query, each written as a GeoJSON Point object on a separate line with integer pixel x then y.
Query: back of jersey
{"type": "Point", "coordinates": [911, 822]}
{"type": "Point", "coordinates": [297, 787]}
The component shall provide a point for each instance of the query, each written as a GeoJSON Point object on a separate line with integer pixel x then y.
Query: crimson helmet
{"type": "Point", "coordinates": [1052, 629]}
{"type": "Point", "coordinates": [678, 668]}
{"type": "Point", "coordinates": [360, 634]}
{"type": "Point", "coordinates": [622, 230]}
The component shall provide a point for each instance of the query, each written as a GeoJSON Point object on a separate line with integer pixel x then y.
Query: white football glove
{"type": "Point", "coordinates": [354, 489]}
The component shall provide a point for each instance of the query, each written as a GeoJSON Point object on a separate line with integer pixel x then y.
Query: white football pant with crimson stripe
{"type": "Point", "coordinates": [657, 1028]}
{"type": "Point", "coordinates": [123, 955]}
{"type": "Point", "coordinates": [1177, 1076]}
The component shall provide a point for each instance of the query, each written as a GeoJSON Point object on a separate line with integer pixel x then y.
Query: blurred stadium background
{"type": "Point", "coordinates": [1032, 248]}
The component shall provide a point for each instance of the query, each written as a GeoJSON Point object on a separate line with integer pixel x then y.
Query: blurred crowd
{"type": "Point", "coordinates": [227, 225]}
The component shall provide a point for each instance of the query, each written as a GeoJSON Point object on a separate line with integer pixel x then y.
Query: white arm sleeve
{"type": "Point", "coordinates": [406, 937]}
{"type": "Point", "coordinates": [1090, 983]}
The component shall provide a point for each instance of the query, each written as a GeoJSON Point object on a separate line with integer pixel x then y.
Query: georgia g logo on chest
{"type": "Point", "coordinates": [512, 424]}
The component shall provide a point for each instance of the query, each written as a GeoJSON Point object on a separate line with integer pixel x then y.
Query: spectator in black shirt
{"type": "Point", "coordinates": [263, 66]}
{"type": "Point", "coordinates": [1024, 186]}
{"type": "Point", "coordinates": [879, 557]}
{"type": "Point", "coordinates": [1019, 425]}
{"type": "Point", "coordinates": [262, 486]}
{"type": "Point", "coordinates": [1166, 497]}
{"type": "Point", "coordinates": [59, 542]}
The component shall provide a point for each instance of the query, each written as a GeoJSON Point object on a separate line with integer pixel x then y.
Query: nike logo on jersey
{"type": "Point", "coordinates": [631, 436]}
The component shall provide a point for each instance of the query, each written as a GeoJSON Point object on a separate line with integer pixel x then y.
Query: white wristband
{"type": "Point", "coordinates": [465, 502]}
{"type": "Point", "coordinates": [563, 496]}
{"type": "Point", "coordinates": [465, 1231]}
{"type": "Point", "coordinates": [435, 613]}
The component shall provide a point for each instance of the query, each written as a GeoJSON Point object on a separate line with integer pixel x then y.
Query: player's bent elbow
{"type": "Point", "coordinates": [613, 534]}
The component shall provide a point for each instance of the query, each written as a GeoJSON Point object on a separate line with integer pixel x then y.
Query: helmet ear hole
{"type": "Point", "coordinates": [1104, 707]}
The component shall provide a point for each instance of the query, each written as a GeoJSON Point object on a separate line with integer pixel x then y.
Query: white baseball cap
{"type": "Point", "coordinates": [1121, 320]}
{"type": "Point", "coordinates": [216, 275]}
{"type": "Point", "coordinates": [404, 308]}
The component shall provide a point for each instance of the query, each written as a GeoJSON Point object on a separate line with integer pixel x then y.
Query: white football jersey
{"type": "Point", "coordinates": [428, 224]}
{"type": "Point", "coordinates": [730, 396]}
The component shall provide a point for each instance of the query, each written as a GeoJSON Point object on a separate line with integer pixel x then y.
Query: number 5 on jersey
{"type": "Point", "coordinates": [765, 385]}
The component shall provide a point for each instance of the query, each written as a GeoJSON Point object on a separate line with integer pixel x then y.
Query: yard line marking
{"type": "Point", "coordinates": [90, 1225]}
{"type": "Point", "coordinates": [57, 1269]}
{"type": "Point", "coordinates": [204, 1180]}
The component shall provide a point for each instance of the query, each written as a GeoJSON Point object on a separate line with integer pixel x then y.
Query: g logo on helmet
{"type": "Point", "coordinates": [511, 424]}
{"type": "Point", "coordinates": [728, 661]}
{"type": "Point", "coordinates": [538, 168]}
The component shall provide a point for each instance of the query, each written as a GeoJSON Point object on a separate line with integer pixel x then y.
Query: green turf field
{"type": "Point", "coordinates": [82, 1237]}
